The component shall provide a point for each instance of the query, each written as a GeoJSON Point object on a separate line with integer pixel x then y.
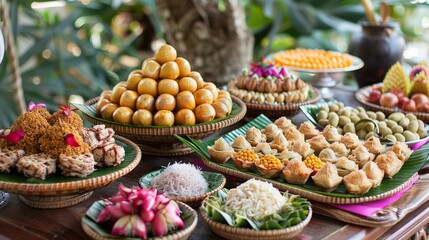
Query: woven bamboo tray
{"type": "Point", "coordinates": [362, 95]}
{"type": "Point", "coordinates": [237, 233]}
{"type": "Point", "coordinates": [68, 190]}
{"type": "Point", "coordinates": [216, 182]}
{"type": "Point", "coordinates": [159, 141]}
{"type": "Point", "coordinates": [88, 226]}
{"type": "Point", "coordinates": [276, 111]}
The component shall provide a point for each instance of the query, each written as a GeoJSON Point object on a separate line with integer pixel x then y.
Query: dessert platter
{"type": "Point", "coordinates": [399, 92]}
{"type": "Point", "coordinates": [314, 164]}
{"type": "Point", "coordinates": [391, 128]}
{"type": "Point", "coordinates": [163, 98]}
{"type": "Point", "coordinates": [319, 62]}
{"type": "Point", "coordinates": [271, 91]}
{"type": "Point", "coordinates": [52, 161]}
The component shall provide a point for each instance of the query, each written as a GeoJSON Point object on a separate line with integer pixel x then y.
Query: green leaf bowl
{"type": "Point", "coordinates": [216, 182]}
{"type": "Point", "coordinates": [100, 231]}
{"type": "Point", "coordinates": [159, 141]}
{"type": "Point", "coordinates": [388, 187]}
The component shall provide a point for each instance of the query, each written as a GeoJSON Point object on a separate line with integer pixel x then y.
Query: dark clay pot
{"type": "Point", "coordinates": [379, 46]}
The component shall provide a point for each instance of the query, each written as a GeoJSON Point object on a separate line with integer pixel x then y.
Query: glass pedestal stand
{"type": "Point", "coordinates": [324, 82]}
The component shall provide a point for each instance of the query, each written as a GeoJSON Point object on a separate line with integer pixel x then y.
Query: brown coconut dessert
{"type": "Point", "coordinates": [66, 115]}
{"type": "Point", "coordinates": [63, 139]}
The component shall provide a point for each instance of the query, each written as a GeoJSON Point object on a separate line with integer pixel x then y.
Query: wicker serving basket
{"type": "Point", "coordinates": [362, 97]}
{"type": "Point", "coordinates": [63, 194]}
{"type": "Point", "coordinates": [179, 235]}
{"type": "Point", "coordinates": [161, 141]}
{"type": "Point", "coordinates": [237, 233]}
{"type": "Point", "coordinates": [276, 111]}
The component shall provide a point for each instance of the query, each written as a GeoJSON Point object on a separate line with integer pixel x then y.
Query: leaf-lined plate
{"type": "Point", "coordinates": [57, 184]}
{"type": "Point", "coordinates": [311, 111]}
{"type": "Point", "coordinates": [101, 231]}
{"type": "Point", "coordinates": [215, 181]}
{"type": "Point", "coordinates": [310, 190]}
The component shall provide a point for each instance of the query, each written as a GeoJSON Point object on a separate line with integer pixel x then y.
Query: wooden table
{"type": "Point", "coordinates": [18, 221]}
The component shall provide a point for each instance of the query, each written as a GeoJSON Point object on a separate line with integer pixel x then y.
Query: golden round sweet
{"type": "Point", "coordinates": [165, 102]}
{"type": "Point", "coordinates": [128, 99]}
{"type": "Point", "coordinates": [185, 100]}
{"type": "Point", "coordinates": [204, 113]}
{"type": "Point", "coordinates": [145, 101]}
{"type": "Point", "coordinates": [187, 84]}
{"type": "Point", "coordinates": [221, 109]}
{"type": "Point", "coordinates": [165, 53]}
{"type": "Point", "coordinates": [197, 77]}
{"type": "Point", "coordinates": [226, 101]}
{"type": "Point", "coordinates": [133, 81]}
{"type": "Point", "coordinates": [148, 86]}
{"type": "Point", "coordinates": [212, 87]}
{"type": "Point", "coordinates": [224, 93]}
{"type": "Point", "coordinates": [123, 115]}
{"type": "Point", "coordinates": [107, 111]}
{"type": "Point", "coordinates": [169, 86]}
{"type": "Point", "coordinates": [203, 96]}
{"type": "Point", "coordinates": [117, 92]}
{"type": "Point", "coordinates": [150, 69]}
{"type": "Point", "coordinates": [163, 118]}
{"type": "Point", "coordinates": [169, 70]}
{"type": "Point", "coordinates": [184, 66]}
{"type": "Point", "coordinates": [106, 94]}
{"type": "Point", "coordinates": [142, 117]}
{"type": "Point", "coordinates": [100, 103]}
{"type": "Point", "coordinates": [122, 83]}
{"type": "Point", "coordinates": [185, 117]}
{"type": "Point", "coordinates": [137, 72]}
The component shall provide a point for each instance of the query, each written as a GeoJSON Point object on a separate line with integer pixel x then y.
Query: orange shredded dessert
{"type": "Point", "coordinates": [312, 59]}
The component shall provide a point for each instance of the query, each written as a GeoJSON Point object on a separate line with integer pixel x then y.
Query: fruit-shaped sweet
{"type": "Point", "coordinates": [169, 70]}
{"type": "Point", "coordinates": [187, 84]}
{"type": "Point", "coordinates": [128, 99]}
{"type": "Point", "coordinates": [150, 68]}
{"type": "Point", "coordinates": [212, 87]}
{"type": "Point", "coordinates": [168, 86]}
{"type": "Point", "coordinates": [142, 117]}
{"type": "Point", "coordinates": [184, 66]}
{"type": "Point", "coordinates": [420, 84]}
{"type": "Point", "coordinates": [148, 86]}
{"type": "Point", "coordinates": [133, 81]}
{"type": "Point", "coordinates": [221, 109]}
{"type": "Point", "coordinates": [117, 92]}
{"type": "Point", "coordinates": [165, 102]}
{"type": "Point", "coordinates": [185, 100]}
{"type": "Point", "coordinates": [197, 77]}
{"type": "Point", "coordinates": [165, 53]}
{"type": "Point", "coordinates": [185, 117]}
{"type": "Point", "coordinates": [203, 96]}
{"type": "Point", "coordinates": [123, 115]}
{"type": "Point", "coordinates": [145, 101]}
{"type": "Point", "coordinates": [163, 118]}
{"type": "Point", "coordinates": [107, 111]}
{"type": "Point", "coordinates": [396, 78]}
{"type": "Point", "coordinates": [205, 113]}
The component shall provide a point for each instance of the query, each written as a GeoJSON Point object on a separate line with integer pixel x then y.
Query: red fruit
{"type": "Point", "coordinates": [374, 96]}
{"type": "Point", "coordinates": [398, 92]}
{"type": "Point", "coordinates": [401, 101]}
{"type": "Point", "coordinates": [409, 106]}
{"type": "Point", "coordinates": [389, 100]}
{"type": "Point", "coordinates": [420, 98]}
{"type": "Point", "coordinates": [423, 107]}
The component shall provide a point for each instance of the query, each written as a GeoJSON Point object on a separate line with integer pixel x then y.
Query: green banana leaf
{"type": "Point", "coordinates": [104, 231]}
{"type": "Point", "coordinates": [89, 110]}
{"type": "Point", "coordinates": [15, 177]}
{"type": "Point", "coordinates": [417, 160]}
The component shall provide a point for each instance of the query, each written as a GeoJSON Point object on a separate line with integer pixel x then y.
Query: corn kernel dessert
{"type": "Point", "coordinates": [312, 59]}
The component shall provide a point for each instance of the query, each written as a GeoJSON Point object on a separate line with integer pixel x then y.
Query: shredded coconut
{"type": "Point", "coordinates": [256, 198]}
{"type": "Point", "coordinates": [180, 180]}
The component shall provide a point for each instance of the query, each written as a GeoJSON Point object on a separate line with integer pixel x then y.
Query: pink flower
{"type": "Point", "coordinates": [32, 106]}
{"type": "Point", "coordinates": [167, 218]}
{"type": "Point", "coordinates": [71, 140]}
{"type": "Point", "coordinates": [14, 136]}
{"type": "Point", "coordinates": [66, 109]}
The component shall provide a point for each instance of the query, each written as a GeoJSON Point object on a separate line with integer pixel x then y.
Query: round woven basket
{"type": "Point", "coordinates": [161, 141]}
{"type": "Point", "coordinates": [178, 235]}
{"type": "Point", "coordinates": [362, 95]}
{"type": "Point", "coordinates": [237, 233]}
{"type": "Point", "coordinates": [276, 111]}
{"type": "Point", "coordinates": [63, 194]}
